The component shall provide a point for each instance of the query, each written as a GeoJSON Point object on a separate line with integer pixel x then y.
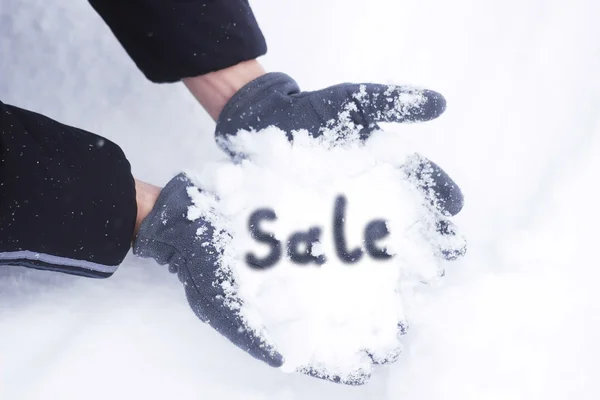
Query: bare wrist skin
{"type": "Point", "coordinates": [145, 196]}
{"type": "Point", "coordinates": [213, 90]}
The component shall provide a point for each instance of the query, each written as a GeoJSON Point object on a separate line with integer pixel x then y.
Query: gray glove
{"type": "Point", "coordinates": [276, 99]}
{"type": "Point", "coordinates": [341, 110]}
{"type": "Point", "coordinates": [169, 237]}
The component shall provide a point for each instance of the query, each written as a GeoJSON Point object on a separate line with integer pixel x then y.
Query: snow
{"type": "Point", "coordinates": [328, 316]}
{"type": "Point", "coordinates": [518, 318]}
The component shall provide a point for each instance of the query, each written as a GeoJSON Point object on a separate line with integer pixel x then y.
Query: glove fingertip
{"type": "Point", "coordinates": [452, 200]}
{"type": "Point", "coordinates": [433, 107]}
{"type": "Point", "coordinates": [270, 356]}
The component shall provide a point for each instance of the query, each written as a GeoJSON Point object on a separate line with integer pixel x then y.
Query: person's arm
{"type": "Point", "coordinates": [68, 201]}
{"type": "Point", "coordinates": [211, 45]}
{"type": "Point", "coordinates": [170, 40]}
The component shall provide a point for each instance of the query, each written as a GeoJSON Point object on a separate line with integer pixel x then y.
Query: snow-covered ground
{"type": "Point", "coordinates": [518, 318]}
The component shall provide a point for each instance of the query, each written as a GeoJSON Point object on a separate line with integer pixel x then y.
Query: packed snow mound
{"type": "Point", "coordinates": [329, 315]}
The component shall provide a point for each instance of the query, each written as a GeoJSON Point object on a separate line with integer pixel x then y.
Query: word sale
{"type": "Point", "coordinates": [300, 244]}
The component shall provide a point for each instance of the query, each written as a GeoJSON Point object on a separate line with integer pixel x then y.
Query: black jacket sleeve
{"type": "Point", "coordinates": [174, 39]}
{"type": "Point", "coordinates": [67, 197]}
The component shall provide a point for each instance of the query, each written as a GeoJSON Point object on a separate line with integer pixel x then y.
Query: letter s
{"type": "Point", "coordinates": [264, 237]}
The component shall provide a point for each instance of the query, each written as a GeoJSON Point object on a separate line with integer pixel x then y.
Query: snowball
{"type": "Point", "coordinates": [336, 317]}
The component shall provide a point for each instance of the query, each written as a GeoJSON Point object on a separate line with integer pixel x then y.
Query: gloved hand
{"type": "Point", "coordinates": [188, 247]}
{"type": "Point", "coordinates": [341, 112]}
{"type": "Point", "coordinates": [345, 109]}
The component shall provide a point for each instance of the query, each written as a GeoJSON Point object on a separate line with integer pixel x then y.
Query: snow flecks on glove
{"type": "Point", "coordinates": [331, 320]}
{"type": "Point", "coordinates": [206, 206]}
{"type": "Point", "coordinates": [395, 103]}
{"type": "Point", "coordinates": [391, 103]}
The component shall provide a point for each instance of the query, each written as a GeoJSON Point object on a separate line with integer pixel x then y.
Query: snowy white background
{"type": "Point", "coordinates": [519, 318]}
